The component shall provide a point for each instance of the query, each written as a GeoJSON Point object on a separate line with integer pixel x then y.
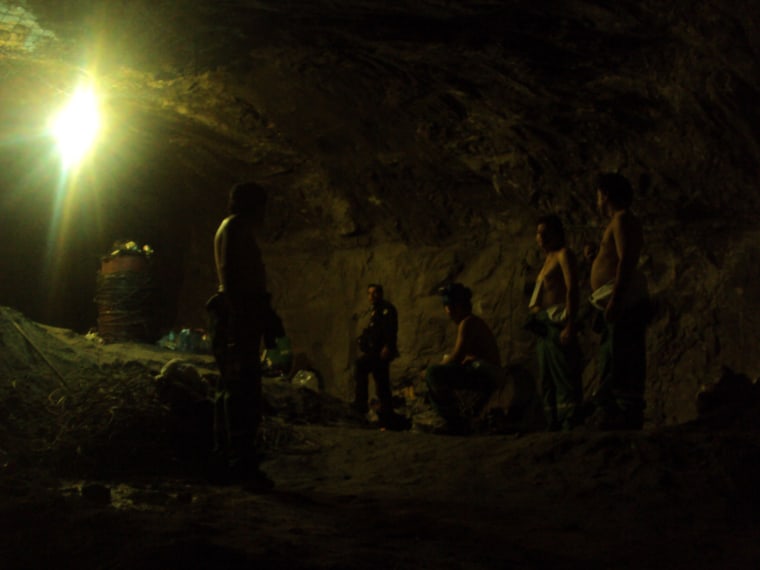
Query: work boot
{"type": "Point", "coordinates": [610, 419]}
{"type": "Point", "coordinates": [394, 422]}
{"type": "Point", "coordinates": [256, 481]}
{"type": "Point", "coordinates": [453, 428]}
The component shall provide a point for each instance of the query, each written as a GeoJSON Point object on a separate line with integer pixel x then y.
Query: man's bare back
{"type": "Point", "coordinates": [238, 258]}
{"type": "Point", "coordinates": [475, 341]}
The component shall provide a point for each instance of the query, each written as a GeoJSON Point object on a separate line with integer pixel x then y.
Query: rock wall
{"type": "Point", "coordinates": [705, 301]}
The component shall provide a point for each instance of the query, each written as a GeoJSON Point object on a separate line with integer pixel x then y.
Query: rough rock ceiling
{"type": "Point", "coordinates": [378, 111]}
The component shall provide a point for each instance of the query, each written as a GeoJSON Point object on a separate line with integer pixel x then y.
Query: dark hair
{"type": "Point", "coordinates": [377, 286]}
{"type": "Point", "coordinates": [555, 227]}
{"type": "Point", "coordinates": [247, 198]}
{"type": "Point", "coordinates": [456, 294]}
{"type": "Point", "coordinates": [616, 188]}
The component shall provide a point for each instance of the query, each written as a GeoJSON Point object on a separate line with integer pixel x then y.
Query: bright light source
{"type": "Point", "coordinates": [76, 126]}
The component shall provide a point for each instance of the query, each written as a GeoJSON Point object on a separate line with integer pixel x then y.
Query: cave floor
{"type": "Point", "coordinates": [362, 498]}
{"type": "Point", "coordinates": [346, 495]}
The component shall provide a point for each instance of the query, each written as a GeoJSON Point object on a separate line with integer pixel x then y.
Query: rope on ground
{"type": "Point", "coordinates": [275, 436]}
{"type": "Point", "coordinates": [38, 351]}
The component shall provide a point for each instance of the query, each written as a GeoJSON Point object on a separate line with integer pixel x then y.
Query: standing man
{"type": "Point", "coordinates": [620, 294]}
{"type": "Point", "coordinates": [554, 305]}
{"type": "Point", "coordinates": [378, 345]}
{"type": "Point", "coordinates": [239, 314]}
{"type": "Point", "coordinates": [474, 363]}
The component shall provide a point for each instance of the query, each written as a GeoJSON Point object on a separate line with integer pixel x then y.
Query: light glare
{"type": "Point", "coordinates": [76, 126]}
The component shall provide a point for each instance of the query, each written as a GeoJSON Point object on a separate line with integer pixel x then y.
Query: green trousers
{"type": "Point", "coordinates": [443, 380]}
{"type": "Point", "coordinates": [622, 363]}
{"type": "Point", "coordinates": [559, 370]}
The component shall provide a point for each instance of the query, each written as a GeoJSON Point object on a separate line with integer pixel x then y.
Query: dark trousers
{"type": "Point", "coordinates": [559, 370]}
{"type": "Point", "coordinates": [237, 406]}
{"type": "Point", "coordinates": [238, 394]}
{"type": "Point", "coordinates": [380, 369]}
{"type": "Point", "coordinates": [443, 379]}
{"type": "Point", "coordinates": [622, 363]}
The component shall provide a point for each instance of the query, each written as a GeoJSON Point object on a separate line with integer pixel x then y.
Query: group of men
{"type": "Point", "coordinates": [241, 315]}
{"type": "Point", "coordinates": [619, 300]}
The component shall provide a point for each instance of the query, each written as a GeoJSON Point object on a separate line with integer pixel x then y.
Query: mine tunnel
{"type": "Point", "coordinates": [408, 144]}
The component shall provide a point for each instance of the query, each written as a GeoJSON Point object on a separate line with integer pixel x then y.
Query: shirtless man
{"type": "Point", "coordinates": [555, 306]}
{"type": "Point", "coordinates": [239, 314]}
{"type": "Point", "coordinates": [474, 363]}
{"type": "Point", "coordinates": [620, 293]}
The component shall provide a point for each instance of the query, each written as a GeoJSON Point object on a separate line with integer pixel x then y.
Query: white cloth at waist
{"type": "Point", "coordinates": [637, 291]}
{"type": "Point", "coordinates": [555, 313]}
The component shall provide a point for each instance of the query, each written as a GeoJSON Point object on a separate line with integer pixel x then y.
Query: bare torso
{"type": "Point", "coordinates": [622, 236]}
{"type": "Point", "coordinates": [239, 264]}
{"type": "Point", "coordinates": [477, 342]}
{"type": "Point", "coordinates": [552, 281]}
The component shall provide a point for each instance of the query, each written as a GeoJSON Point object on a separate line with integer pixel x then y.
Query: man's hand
{"type": "Point", "coordinates": [589, 251]}
{"type": "Point", "coordinates": [385, 353]}
{"type": "Point", "coordinates": [612, 312]}
{"type": "Point", "coordinates": [567, 334]}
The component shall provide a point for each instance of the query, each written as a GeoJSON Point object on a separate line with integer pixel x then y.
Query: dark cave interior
{"type": "Point", "coordinates": [410, 143]}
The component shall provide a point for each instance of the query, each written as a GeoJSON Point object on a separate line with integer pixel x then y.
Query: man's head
{"type": "Point", "coordinates": [614, 191]}
{"type": "Point", "coordinates": [247, 199]}
{"type": "Point", "coordinates": [374, 293]}
{"type": "Point", "coordinates": [457, 301]}
{"type": "Point", "coordinates": [550, 233]}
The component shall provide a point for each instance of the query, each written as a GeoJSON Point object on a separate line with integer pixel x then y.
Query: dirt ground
{"type": "Point", "coordinates": [95, 473]}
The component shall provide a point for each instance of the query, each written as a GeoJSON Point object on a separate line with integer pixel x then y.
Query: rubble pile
{"type": "Point", "coordinates": [66, 407]}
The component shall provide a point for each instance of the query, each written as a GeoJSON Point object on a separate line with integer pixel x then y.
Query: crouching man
{"type": "Point", "coordinates": [473, 365]}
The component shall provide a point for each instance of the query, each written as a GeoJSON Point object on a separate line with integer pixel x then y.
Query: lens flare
{"type": "Point", "coordinates": [76, 126]}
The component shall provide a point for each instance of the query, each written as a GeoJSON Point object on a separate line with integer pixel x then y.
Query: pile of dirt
{"type": "Point", "coordinates": [76, 407]}
{"type": "Point", "coordinates": [64, 409]}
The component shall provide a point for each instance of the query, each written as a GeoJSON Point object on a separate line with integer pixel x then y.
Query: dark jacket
{"type": "Point", "coordinates": [381, 331]}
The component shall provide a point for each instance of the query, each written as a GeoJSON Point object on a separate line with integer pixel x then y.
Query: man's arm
{"type": "Point", "coordinates": [458, 354]}
{"type": "Point", "coordinates": [220, 248]}
{"type": "Point", "coordinates": [569, 268]}
{"type": "Point", "coordinates": [628, 247]}
{"type": "Point", "coordinates": [242, 268]}
{"type": "Point", "coordinates": [230, 253]}
{"type": "Point", "coordinates": [390, 333]}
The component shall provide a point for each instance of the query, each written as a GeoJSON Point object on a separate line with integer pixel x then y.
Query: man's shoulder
{"type": "Point", "coordinates": [552, 258]}
{"type": "Point", "coordinates": [472, 321]}
{"type": "Point", "coordinates": [230, 224]}
{"type": "Point", "coordinates": [224, 224]}
{"type": "Point", "coordinates": [566, 254]}
{"type": "Point", "coordinates": [386, 308]}
{"type": "Point", "coordinates": [626, 216]}
{"type": "Point", "coordinates": [627, 222]}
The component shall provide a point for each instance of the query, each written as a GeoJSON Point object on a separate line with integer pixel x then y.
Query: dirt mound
{"type": "Point", "coordinates": [74, 406]}
{"type": "Point", "coordinates": [61, 408]}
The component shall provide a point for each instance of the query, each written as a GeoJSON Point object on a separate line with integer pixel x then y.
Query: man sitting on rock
{"type": "Point", "coordinates": [473, 365]}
